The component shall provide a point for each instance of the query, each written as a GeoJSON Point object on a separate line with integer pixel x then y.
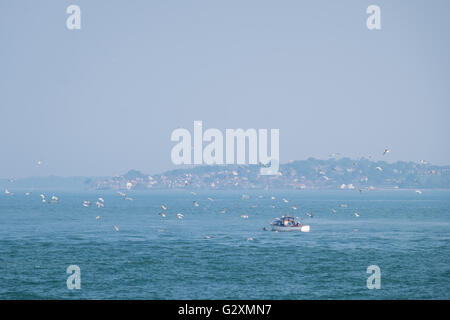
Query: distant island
{"type": "Point", "coordinates": [343, 173]}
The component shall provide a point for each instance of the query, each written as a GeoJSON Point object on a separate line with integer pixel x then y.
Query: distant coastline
{"type": "Point", "coordinates": [343, 173]}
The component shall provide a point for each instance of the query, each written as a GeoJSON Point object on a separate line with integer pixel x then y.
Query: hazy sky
{"type": "Point", "coordinates": [105, 99]}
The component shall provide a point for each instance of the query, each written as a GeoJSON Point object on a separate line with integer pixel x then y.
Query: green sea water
{"type": "Point", "coordinates": [214, 255]}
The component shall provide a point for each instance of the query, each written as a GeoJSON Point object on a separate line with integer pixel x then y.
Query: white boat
{"type": "Point", "coordinates": [288, 223]}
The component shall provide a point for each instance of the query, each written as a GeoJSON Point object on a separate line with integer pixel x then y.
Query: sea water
{"type": "Point", "coordinates": [214, 255]}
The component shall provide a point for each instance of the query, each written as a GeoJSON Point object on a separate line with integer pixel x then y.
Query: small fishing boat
{"type": "Point", "coordinates": [288, 223]}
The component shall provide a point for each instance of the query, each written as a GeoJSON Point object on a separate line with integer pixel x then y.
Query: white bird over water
{"type": "Point", "coordinates": [86, 203]}
{"type": "Point", "coordinates": [97, 217]}
{"type": "Point", "coordinates": [99, 204]}
{"type": "Point", "coordinates": [356, 214]}
{"type": "Point", "coordinates": [386, 151]}
{"type": "Point", "coordinates": [101, 199]}
{"type": "Point", "coordinates": [294, 207]}
{"type": "Point", "coordinates": [196, 204]}
{"type": "Point", "coordinates": [39, 162]}
{"type": "Point", "coordinates": [7, 191]}
{"type": "Point", "coordinates": [224, 210]}
{"type": "Point", "coordinates": [27, 193]}
{"type": "Point", "coordinates": [162, 214]}
{"type": "Point", "coordinates": [379, 168]}
{"type": "Point", "coordinates": [116, 228]}
{"type": "Point", "coordinates": [333, 211]}
{"type": "Point", "coordinates": [163, 207]}
{"type": "Point", "coordinates": [285, 200]}
{"type": "Point", "coordinates": [123, 194]}
{"type": "Point", "coordinates": [180, 216]}
{"type": "Point", "coordinates": [244, 216]}
{"type": "Point", "coordinates": [309, 214]}
{"type": "Point", "coordinates": [418, 192]}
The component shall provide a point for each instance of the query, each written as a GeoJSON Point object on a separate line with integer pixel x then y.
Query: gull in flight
{"type": "Point", "coordinates": [163, 207]}
{"type": "Point", "coordinates": [39, 162]}
{"type": "Point", "coordinates": [86, 203]}
{"type": "Point", "coordinates": [285, 200]}
{"type": "Point", "coordinates": [249, 239]}
{"type": "Point", "coordinates": [7, 191]}
{"type": "Point", "coordinates": [294, 207]}
{"type": "Point", "coordinates": [244, 216]}
{"type": "Point", "coordinates": [356, 214]}
{"type": "Point", "coordinates": [54, 199]}
{"type": "Point", "coordinates": [210, 199]}
{"type": "Point", "coordinates": [386, 151]}
{"type": "Point", "coordinates": [99, 204]}
{"type": "Point", "coordinates": [128, 198]}
{"type": "Point", "coordinates": [101, 199]}
{"type": "Point", "coordinates": [180, 216]}
{"type": "Point", "coordinates": [224, 210]}
{"type": "Point", "coordinates": [42, 197]}
{"type": "Point", "coordinates": [309, 214]}
{"type": "Point", "coordinates": [418, 192]}
{"type": "Point", "coordinates": [27, 193]}
{"type": "Point", "coordinates": [162, 214]}
{"type": "Point", "coordinates": [116, 228]}
{"type": "Point", "coordinates": [123, 194]}
{"type": "Point", "coordinates": [97, 218]}
{"type": "Point", "coordinates": [196, 204]}
{"type": "Point", "coordinates": [333, 211]}
{"type": "Point", "coordinates": [379, 168]}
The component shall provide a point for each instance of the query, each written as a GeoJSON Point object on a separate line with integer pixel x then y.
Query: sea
{"type": "Point", "coordinates": [224, 247]}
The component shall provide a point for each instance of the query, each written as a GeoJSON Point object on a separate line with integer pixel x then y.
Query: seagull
{"type": "Point", "coordinates": [128, 198]}
{"type": "Point", "coordinates": [116, 228]}
{"type": "Point", "coordinates": [386, 151]}
{"type": "Point", "coordinates": [224, 210]}
{"type": "Point", "coordinates": [39, 162]}
{"type": "Point", "coordinates": [244, 216]}
{"type": "Point", "coordinates": [163, 207]}
{"type": "Point", "coordinates": [195, 204]}
{"type": "Point", "coordinates": [210, 199]}
{"type": "Point", "coordinates": [162, 214]}
{"type": "Point", "coordinates": [7, 191]}
{"type": "Point", "coordinates": [27, 193]}
{"type": "Point", "coordinates": [309, 214]}
{"type": "Point", "coordinates": [418, 192]}
{"type": "Point", "coordinates": [273, 198]}
{"type": "Point", "coordinates": [333, 211]}
{"type": "Point", "coordinates": [41, 195]}
{"type": "Point", "coordinates": [379, 168]}
{"type": "Point", "coordinates": [294, 207]}
{"type": "Point", "coordinates": [97, 218]}
{"type": "Point", "coordinates": [54, 199]}
{"type": "Point", "coordinates": [101, 199]}
{"type": "Point", "coordinates": [356, 214]}
{"type": "Point", "coordinates": [180, 216]}
{"type": "Point", "coordinates": [86, 203]}
{"type": "Point", "coordinates": [285, 200]}
{"type": "Point", "coordinates": [249, 239]}
{"type": "Point", "coordinates": [207, 237]}
{"type": "Point", "coordinates": [123, 194]}
{"type": "Point", "coordinates": [99, 204]}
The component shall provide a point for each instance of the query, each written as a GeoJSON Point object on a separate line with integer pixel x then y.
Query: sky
{"type": "Point", "coordinates": [105, 99]}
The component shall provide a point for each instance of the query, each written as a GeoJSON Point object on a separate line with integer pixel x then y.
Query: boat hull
{"type": "Point", "coordinates": [291, 229]}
